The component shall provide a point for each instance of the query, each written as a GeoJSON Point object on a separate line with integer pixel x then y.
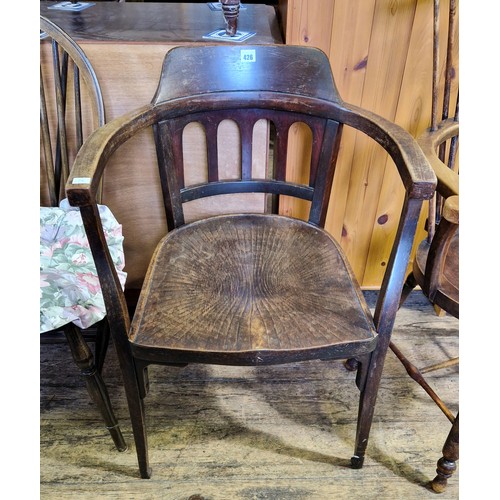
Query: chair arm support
{"type": "Point", "coordinates": [83, 182]}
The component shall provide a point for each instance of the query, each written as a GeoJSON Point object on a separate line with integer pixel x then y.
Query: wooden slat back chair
{"type": "Point", "coordinates": [70, 103]}
{"type": "Point", "coordinates": [249, 289]}
{"type": "Point", "coordinates": [436, 267]}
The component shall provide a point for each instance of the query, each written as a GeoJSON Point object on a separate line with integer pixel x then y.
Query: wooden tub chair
{"type": "Point", "coordinates": [249, 288]}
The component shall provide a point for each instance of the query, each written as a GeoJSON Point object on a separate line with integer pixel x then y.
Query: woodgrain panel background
{"type": "Point", "coordinates": [381, 57]}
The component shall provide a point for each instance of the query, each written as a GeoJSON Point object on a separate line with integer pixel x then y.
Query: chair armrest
{"type": "Point", "coordinates": [429, 141]}
{"type": "Point", "coordinates": [83, 182]}
{"type": "Point", "coordinates": [450, 209]}
{"type": "Point", "coordinates": [419, 181]}
{"type": "Point", "coordinates": [413, 166]}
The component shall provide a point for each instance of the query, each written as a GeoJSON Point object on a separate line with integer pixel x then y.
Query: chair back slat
{"type": "Point", "coordinates": [323, 177]}
{"type": "Point", "coordinates": [46, 146]}
{"type": "Point", "coordinates": [78, 108]}
{"type": "Point", "coordinates": [454, 141]}
{"type": "Point", "coordinates": [169, 145]}
{"type": "Point", "coordinates": [449, 59]}
{"type": "Point", "coordinates": [441, 97]}
{"type": "Point", "coordinates": [61, 167]}
{"type": "Point", "coordinates": [246, 136]}
{"type": "Point", "coordinates": [435, 66]}
{"type": "Point", "coordinates": [211, 127]}
{"type": "Point", "coordinates": [281, 129]}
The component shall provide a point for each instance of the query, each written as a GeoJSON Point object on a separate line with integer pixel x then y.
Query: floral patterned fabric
{"type": "Point", "coordinates": [69, 286]}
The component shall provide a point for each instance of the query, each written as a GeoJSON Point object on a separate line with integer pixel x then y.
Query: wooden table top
{"type": "Point", "coordinates": [160, 22]}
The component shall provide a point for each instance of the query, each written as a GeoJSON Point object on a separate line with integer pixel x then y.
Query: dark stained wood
{"type": "Point", "coordinates": [436, 267]}
{"type": "Point", "coordinates": [248, 289]}
{"type": "Point", "coordinates": [157, 22]}
{"type": "Point", "coordinates": [249, 300]}
{"type": "Point", "coordinates": [447, 463]}
{"type": "Point", "coordinates": [72, 71]}
{"type": "Point", "coordinates": [83, 358]}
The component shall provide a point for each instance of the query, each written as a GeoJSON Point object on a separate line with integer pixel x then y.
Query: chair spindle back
{"type": "Point", "coordinates": [70, 103]}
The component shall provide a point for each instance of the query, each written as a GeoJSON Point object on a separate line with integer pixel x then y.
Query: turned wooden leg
{"type": "Point", "coordinates": [83, 358]}
{"type": "Point", "coordinates": [446, 465]}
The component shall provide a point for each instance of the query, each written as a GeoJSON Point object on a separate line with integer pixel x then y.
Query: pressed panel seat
{"type": "Point", "coordinates": [250, 293]}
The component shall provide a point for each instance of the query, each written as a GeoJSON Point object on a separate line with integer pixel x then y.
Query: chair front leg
{"type": "Point", "coordinates": [368, 385]}
{"type": "Point", "coordinates": [82, 355]}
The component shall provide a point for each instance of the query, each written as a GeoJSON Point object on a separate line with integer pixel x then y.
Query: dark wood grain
{"type": "Point", "coordinates": [447, 464]}
{"type": "Point", "coordinates": [250, 299]}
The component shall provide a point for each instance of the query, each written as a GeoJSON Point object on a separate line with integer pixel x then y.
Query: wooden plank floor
{"type": "Point", "coordinates": [282, 432]}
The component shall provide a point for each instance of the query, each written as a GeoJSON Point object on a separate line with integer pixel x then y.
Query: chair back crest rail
{"type": "Point", "coordinates": [273, 88]}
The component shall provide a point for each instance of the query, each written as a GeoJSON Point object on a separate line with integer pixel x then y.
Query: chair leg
{"type": "Point", "coordinates": [101, 343]}
{"type": "Point", "coordinates": [351, 364]}
{"type": "Point", "coordinates": [446, 465]}
{"type": "Point", "coordinates": [136, 409]}
{"type": "Point", "coordinates": [368, 396]}
{"type": "Point", "coordinates": [83, 358]}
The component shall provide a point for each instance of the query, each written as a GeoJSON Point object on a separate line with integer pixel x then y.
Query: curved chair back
{"type": "Point", "coordinates": [71, 107]}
